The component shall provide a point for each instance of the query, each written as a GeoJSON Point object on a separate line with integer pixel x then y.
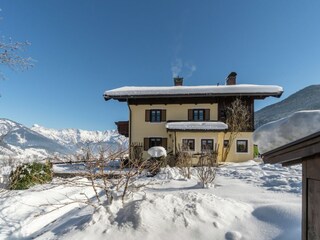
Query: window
{"type": "Point", "coordinates": [242, 146]}
{"type": "Point", "coordinates": [155, 142]}
{"type": "Point", "coordinates": [225, 143]}
{"type": "Point", "coordinates": [207, 144]}
{"type": "Point", "coordinates": [198, 115]}
{"type": "Point", "coordinates": [155, 115]}
{"type": "Point", "coordinates": [188, 144]}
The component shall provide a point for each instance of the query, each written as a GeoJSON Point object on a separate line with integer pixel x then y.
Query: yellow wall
{"type": "Point", "coordinates": [233, 156]}
{"type": "Point", "coordinates": [218, 138]}
{"type": "Point", "coordinates": [141, 129]}
{"type": "Point", "coordinates": [197, 136]}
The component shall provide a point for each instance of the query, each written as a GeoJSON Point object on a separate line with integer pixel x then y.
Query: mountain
{"type": "Point", "coordinates": [18, 140]}
{"type": "Point", "coordinates": [75, 139]}
{"type": "Point", "coordinates": [305, 99]}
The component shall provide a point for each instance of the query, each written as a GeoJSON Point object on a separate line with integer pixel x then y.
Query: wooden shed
{"type": "Point", "coordinates": [306, 151]}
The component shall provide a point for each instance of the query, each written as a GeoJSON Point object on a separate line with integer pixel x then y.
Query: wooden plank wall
{"type": "Point", "coordinates": [311, 199]}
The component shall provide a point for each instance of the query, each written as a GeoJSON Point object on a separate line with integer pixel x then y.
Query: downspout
{"type": "Point", "coordinates": [130, 118]}
{"type": "Point", "coordinates": [252, 115]}
{"type": "Point", "coordinates": [175, 142]}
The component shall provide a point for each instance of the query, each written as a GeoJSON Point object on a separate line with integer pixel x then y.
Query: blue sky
{"type": "Point", "coordinates": [83, 48]}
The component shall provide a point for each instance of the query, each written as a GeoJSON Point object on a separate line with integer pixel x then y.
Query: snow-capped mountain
{"type": "Point", "coordinates": [20, 141]}
{"type": "Point", "coordinates": [305, 99]}
{"type": "Point", "coordinates": [74, 139]}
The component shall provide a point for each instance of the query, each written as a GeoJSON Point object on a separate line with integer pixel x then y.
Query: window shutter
{"type": "Point", "coordinates": [147, 116]}
{"type": "Point", "coordinates": [146, 144]}
{"type": "Point", "coordinates": [207, 114]}
{"type": "Point", "coordinates": [163, 115]}
{"type": "Point", "coordinates": [190, 115]}
{"type": "Point", "coordinates": [164, 142]}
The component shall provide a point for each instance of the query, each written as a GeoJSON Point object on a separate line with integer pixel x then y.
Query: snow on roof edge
{"type": "Point", "coordinates": [196, 126]}
{"type": "Point", "coordinates": [194, 90]}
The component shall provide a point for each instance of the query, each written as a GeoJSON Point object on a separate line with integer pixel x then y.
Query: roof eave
{"type": "Point", "coordinates": [126, 97]}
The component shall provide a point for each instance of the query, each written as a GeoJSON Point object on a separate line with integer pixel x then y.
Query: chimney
{"type": "Point", "coordinates": [178, 81]}
{"type": "Point", "coordinates": [232, 78]}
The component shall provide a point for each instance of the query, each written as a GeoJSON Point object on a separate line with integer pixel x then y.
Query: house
{"type": "Point", "coordinates": [194, 116]}
{"type": "Point", "coordinates": [306, 151]}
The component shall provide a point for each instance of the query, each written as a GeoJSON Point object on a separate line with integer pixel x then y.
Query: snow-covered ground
{"type": "Point", "coordinates": [248, 201]}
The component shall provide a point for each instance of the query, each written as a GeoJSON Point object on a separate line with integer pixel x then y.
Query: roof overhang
{"type": "Point", "coordinates": [295, 152]}
{"type": "Point", "coordinates": [256, 91]}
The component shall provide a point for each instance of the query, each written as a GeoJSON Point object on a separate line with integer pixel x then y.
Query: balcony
{"type": "Point", "coordinates": [123, 128]}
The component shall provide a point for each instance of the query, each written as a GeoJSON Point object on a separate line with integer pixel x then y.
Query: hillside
{"type": "Point", "coordinates": [18, 140]}
{"type": "Point", "coordinates": [305, 99]}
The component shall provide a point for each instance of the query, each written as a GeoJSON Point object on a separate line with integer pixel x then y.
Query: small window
{"type": "Point", "coordinates": [153, 142]}
{"type": "Point", "coordinates": [207, 144]}
{"type": "Point", "coordinates": [242, 146]}
{"type": "Point", "coordinates": [225, 143]}
{"type": "Point", "coordinates": [155, 115]}
{"type": "Point", "coordinates": [188, 144]}
{"type": "Point", "coordinates": [198, 115]}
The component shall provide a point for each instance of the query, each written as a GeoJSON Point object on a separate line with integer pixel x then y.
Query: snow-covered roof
{"type": "Point", "coordinates": [196, 126]}
{"type": "Point", "coordinates": [223, 90]}
{"type": "Point", "coordinates": [285, 130]}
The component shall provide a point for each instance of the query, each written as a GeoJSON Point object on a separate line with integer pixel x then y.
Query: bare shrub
{"type": "Point", "coordinates": [206, 168]}
{"type": "Point", "coordinates": [110, 182]}
{"type": "Point", "coordinates": [238, 120]}
{"type": "Point", "coordinates": [184, 162]}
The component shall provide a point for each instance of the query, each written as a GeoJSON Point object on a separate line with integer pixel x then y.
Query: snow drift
{"type": "Point", "coordinates": [286, 130]}
{"type": "Point", "coordinates": [169, 208]}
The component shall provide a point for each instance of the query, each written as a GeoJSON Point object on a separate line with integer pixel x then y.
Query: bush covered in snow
{"type": "Point", "coordinates": [30, 174]}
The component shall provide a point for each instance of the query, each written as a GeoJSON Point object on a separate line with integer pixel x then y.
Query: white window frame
{"type": "Point", "coordinates": [208, 138]}
{"type": "Point", "coordinates": [193, 145]}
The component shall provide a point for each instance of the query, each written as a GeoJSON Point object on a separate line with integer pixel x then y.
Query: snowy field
{"type": "Point", "coordinates": [247, 201]}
